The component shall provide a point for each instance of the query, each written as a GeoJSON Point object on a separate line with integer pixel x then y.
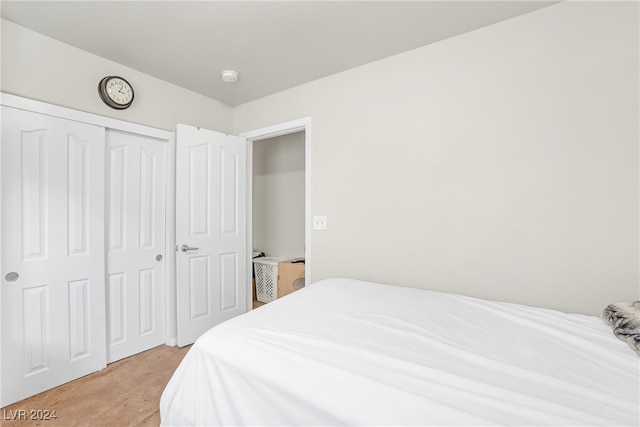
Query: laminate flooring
{"type": "Point", "coordinates": [125, 393]}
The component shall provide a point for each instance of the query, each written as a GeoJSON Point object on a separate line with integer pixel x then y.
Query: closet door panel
{"type": "Point", "coordinates": [53, 315]}
{"type": "Point", "coordinates": [78, 195]}
{"type": "Point", "coordinates": [136, 230]}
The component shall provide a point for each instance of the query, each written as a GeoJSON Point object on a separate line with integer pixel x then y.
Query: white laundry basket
{"type": "Point", "coordinates": [266, 269]}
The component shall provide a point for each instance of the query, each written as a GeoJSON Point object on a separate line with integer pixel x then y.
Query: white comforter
{"type": "Point", "coordinates": [346, 352]}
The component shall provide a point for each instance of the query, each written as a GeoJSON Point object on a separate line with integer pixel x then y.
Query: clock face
{"type": "Point", "coordinates": [116, 92]}
{"type": "Point", "coordinates": [119, 91]}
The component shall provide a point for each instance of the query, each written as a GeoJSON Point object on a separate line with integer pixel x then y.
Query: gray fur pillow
{"type": "Point", "coordinates": [624, 318]}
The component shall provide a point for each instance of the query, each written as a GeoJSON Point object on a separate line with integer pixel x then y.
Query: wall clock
{"type": "Point", "coordinates": [116, 92]}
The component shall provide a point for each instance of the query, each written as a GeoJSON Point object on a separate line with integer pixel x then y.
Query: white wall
{"type": "Point", "coordinates": [502, 163]}
{"type": "Point", "coordinates": [278, 195]}
{"type": "Point", "coordinates": [44, 69]}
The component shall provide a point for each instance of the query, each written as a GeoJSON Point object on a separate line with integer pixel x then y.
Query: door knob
{"type": "Point", "coordinates": [185, 248]}
{"type": "Point", "coordinates": [12, 277]}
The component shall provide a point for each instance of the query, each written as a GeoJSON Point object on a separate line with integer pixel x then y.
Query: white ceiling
{"type": "Point", "coordinates": [274, 45]}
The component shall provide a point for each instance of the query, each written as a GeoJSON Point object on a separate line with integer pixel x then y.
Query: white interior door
{"type": "Point", "coordinates": [210, 229]}
{"type": "Point", "coordinates": [135, 243]}
{"type": "Point", "coordinates": [53, 308]}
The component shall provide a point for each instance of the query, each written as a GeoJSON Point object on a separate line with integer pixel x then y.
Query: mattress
{"type": "Point", "coordinates": [348, 352]}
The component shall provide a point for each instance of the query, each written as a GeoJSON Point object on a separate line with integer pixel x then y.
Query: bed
{"type": "Point", "coordinates": [348, 352]}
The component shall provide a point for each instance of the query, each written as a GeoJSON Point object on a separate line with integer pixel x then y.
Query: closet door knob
{"type": "Point", "coordinates": [12, 277]}
{"type": "Point", "coordinates": [158, 257]}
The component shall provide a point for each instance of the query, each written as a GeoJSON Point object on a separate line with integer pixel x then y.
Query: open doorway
{"type": "Point", "coordinates": [278, 196]}
{"type": "Point", "coordinates": [279, 199]}
{"type": "Point", "coordinates": [278, 215]}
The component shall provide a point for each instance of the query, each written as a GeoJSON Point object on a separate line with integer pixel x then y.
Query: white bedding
{"type": "Point", "coordinates": [346, 352]}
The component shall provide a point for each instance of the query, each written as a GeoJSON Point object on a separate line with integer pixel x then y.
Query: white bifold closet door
{"type": "Point", "coordinates": [53, 294]}
{"type": "Point", "coordinates": [135, 243]}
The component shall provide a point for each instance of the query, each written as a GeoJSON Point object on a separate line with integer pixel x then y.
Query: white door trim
{"type": "Point", "coordinates": [81, 116]}
{"type": "Point", "coordinates": [273, 131]}
{"type": "Point", "coordinates": [171, 321]}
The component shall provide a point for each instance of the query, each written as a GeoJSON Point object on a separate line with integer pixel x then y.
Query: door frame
{"type": "Point", "coordinates": [168, 138]}
{"type": "Point", "coordinates": [280, 129]}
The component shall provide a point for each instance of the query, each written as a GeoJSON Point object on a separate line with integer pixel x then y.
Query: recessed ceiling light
{"type": "Point", "coordinates": [229, 76]}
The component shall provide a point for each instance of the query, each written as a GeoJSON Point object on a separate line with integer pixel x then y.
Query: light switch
{"type": "Point", "coordinates": [319, 222]}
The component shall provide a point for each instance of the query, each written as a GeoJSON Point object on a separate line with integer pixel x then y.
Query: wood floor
{"type": "Point", "coordinates": [125, 393]}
